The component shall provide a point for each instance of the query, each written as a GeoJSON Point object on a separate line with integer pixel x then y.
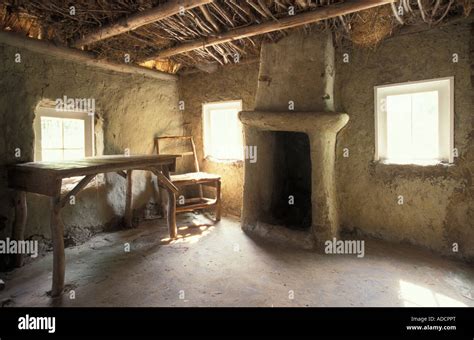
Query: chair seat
{"type": "Point", "coordinates": [194, 178]}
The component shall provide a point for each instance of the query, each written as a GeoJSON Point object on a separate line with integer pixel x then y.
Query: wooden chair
{"type": "Point", "coordinates": [196, 178]}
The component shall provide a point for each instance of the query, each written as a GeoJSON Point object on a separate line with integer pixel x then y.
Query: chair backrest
{"type": "Point", "coordinates": [190, 142]}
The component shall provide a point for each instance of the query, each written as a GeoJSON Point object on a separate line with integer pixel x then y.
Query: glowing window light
{"type": "Point", "coordinates": [223, 138]}
{"type": "Point", "coordinates": [62, 138]}
{"type": "Point", "coordinates": [414, 122]}
{"type": "Point", "coordinates": [62, 135]}
{"type": "Point", "coordinates": [412, 126]}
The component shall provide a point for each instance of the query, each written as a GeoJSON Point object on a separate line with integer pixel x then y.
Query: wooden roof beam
{"type": "Point", "coordinates": [328, 12]}
{"type": "Point", "coordinates": [85, 58]}
{"type": "Point", "coordinates": [139, 19]}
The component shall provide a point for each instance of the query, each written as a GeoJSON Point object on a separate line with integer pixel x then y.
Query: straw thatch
{"type": "Point", "coordinates": [372, 26]}
{"type": "Point", "coordinates": [57, 21]}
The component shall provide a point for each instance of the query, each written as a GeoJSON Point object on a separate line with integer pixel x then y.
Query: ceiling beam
{"type": "Point", "coordinates": [139, 19]}
{"type": "Point", "coordinates": [85, 58]}
{"type": "Point", "coordinates": [328, 12]}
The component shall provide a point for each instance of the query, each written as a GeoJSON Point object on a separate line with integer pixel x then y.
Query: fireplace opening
{"type": "Point", "coordinates": [290, 204]}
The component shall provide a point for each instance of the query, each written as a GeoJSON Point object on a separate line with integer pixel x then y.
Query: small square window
{"type": "Point", "coordinates": [62, 135]}
{"type": "Point", "coordinates": [414, 122]}
{"type": "Point", "coordinates": [223, 140]}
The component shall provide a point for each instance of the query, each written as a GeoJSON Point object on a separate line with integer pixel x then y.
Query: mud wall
{"type": "Point", "coordinates": [131, 110]}
{"type": "Point", "coordinates": [229, 83]}
{"type": "Point", "coordinates": [438, 207]}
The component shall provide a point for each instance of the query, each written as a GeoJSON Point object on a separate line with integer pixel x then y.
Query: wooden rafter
{"type": "Point", "coordinates": [328, 12]}
{"type": "Point", "coordinates": [139, 19]}
{"type": "Point", "coordinates": [48, 48]}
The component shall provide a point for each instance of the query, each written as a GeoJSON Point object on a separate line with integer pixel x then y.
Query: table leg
{"type": "Point", "coordinates": [170, 208]}
{"type": "Point", "coordinates": [128, 201]}
{"type": "Point", "coordinates": [57, 235]}
{"type": "Point", "coordinates": [20, 223]}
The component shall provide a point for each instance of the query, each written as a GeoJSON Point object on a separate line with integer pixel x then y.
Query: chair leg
{"type": "Point", "coordinates": [218, 201]}
{"type": "Point", "coordinates": [164, 194]}
{"type": "Point", "coordinates": [201, 195]}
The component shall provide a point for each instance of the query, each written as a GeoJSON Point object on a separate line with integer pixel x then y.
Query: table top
{"type": "Point", "coordinates": [91, 165]}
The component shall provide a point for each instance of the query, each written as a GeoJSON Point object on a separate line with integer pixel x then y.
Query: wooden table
{"type": "Point", "coordinates": [46, 178]}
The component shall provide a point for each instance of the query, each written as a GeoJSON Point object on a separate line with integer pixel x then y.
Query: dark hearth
{"type": "Point", "coordinates": [291, 199]}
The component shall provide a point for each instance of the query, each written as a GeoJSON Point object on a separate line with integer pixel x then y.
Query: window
{"type": "Point", "coordinates": [62, 135]}
{"type": "Point", "coordinates": [223, 131]}
{"type": "Point", "coordinates": [414, 122]}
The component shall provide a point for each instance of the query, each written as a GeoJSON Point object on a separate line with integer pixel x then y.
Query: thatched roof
{"type": "Point", "coordinates": [57, 21]}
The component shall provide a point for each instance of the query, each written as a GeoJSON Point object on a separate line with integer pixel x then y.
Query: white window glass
{"type": "Point", "coordinates": [414, 122]}
{"type": "Point", "coordinates": [223, 138]}
{"type": "Point", "coordinates": [62, 135]}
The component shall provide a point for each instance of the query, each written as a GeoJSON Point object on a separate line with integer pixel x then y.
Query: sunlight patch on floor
{"type": "Point", "coordinates": [189, 235]}
{"type": "Point", "coordinates": [414, 295]}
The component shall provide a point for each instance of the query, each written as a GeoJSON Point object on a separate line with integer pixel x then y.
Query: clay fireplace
{"type": "Point", "coordinates": [310, 60]}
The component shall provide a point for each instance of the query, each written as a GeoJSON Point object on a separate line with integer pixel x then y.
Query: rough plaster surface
{"type": "Point", "coordinates": [438, 204]}
{"type": "Point", "coordinates": [132, 110]}
{"type": "Point", "coordinates": [300, 69]}
{"type": "Point", "coordinates": [230, 83]}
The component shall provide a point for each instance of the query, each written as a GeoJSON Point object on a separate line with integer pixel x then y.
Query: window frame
{"type": "Point", "coordinates": [445, 88]}
{"type": "Point", "coordinates": [206, 108]}
{"type": "Point", "coordinates": [43, 111]}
